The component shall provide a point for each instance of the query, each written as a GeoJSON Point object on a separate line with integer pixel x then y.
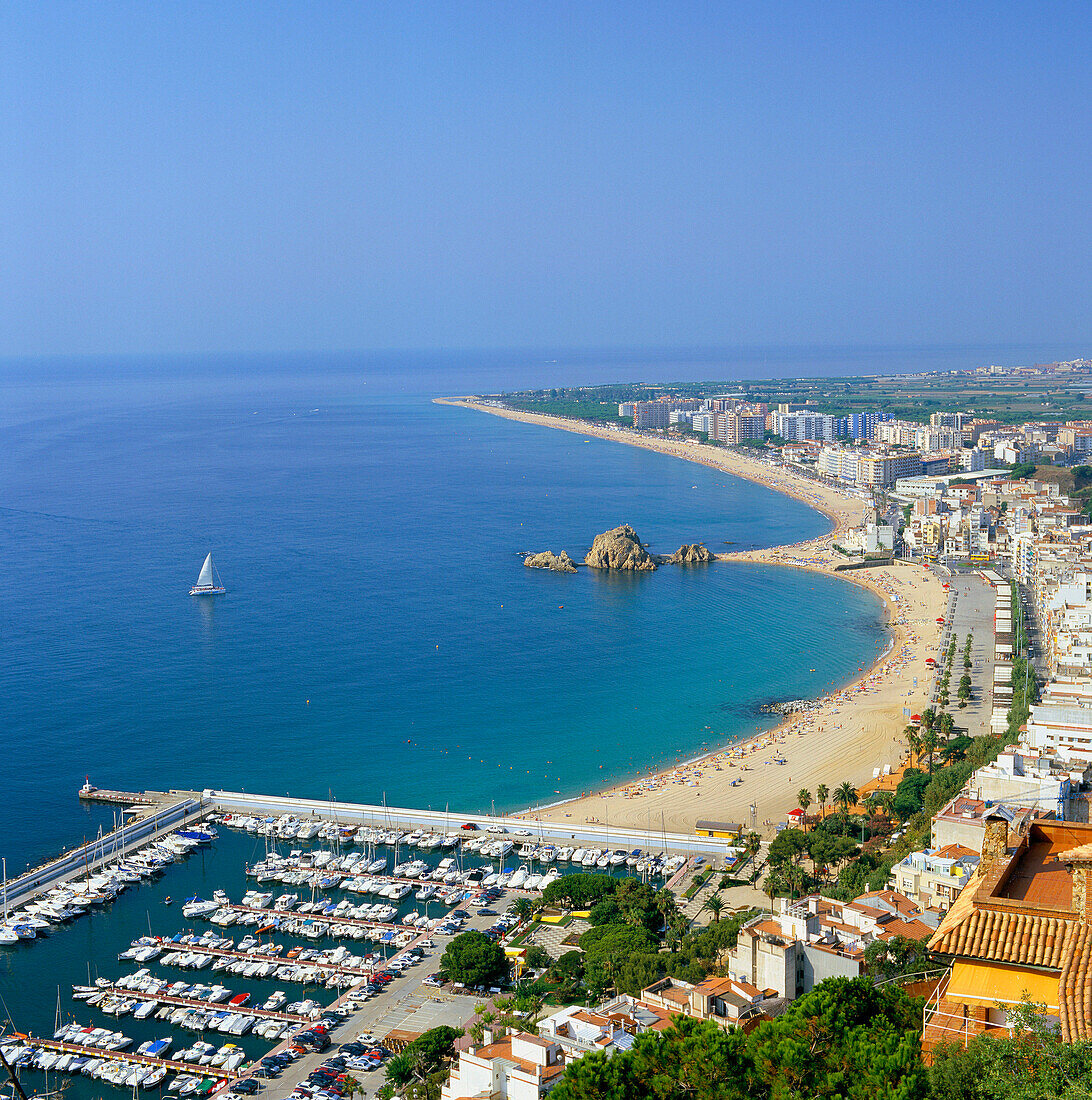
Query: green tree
{"type": "Point", "coordinates": [524, 908]}
{"type": "Point", "coordinates": [714, 905]}
{"type": "Point", "coordinates": [846, 1038]}
{"type": "Point", "coordinates": [434, 1048]}
{"type": "Point", "coordinates": [691, 1060]}
{"type": "Point", "coordinates": [399, 1070]}
{"type": "Point", "coordinates": [913, 742]}
{"type": "Point", "coordinates": [537, 956]}
{"type": "Point", "coordinates": [894, 957]}
{"type": "Point", "coordinates": [474, 959]}
{"type": "Point", "coordinates": [578, 891]}
{"type": "Point", "coordinates": [929, 743]}
{"type": "Point", "coordinates": [752, 845]}
{"type": "Point", "coordinates": [1030, 1064]}
{"type": "Point", "coordinates": [910, 793]}
{"type": "Point", "coordinates": [803, 800]}
{"type": "Point", "coordinates": [845, 796]}
{"type": "Point", "coordinates": [787, 848]}
{"type": "Point", "coordinates": [822, 792]}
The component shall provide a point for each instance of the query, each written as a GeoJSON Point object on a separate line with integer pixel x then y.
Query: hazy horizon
{"type": "Point", "coordinates": [261, 179]}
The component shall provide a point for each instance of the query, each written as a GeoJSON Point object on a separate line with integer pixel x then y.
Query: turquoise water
{"type": "Point", "coordinates": [380, 637]}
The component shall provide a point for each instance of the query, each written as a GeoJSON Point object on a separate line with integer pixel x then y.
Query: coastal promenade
{"type": "Point", "coordinates": [848, 736]}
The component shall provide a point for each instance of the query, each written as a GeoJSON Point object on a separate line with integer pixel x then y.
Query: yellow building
{"type": "Point", "coordinates": [723, 830]}
{"type": "Point", "coordinates": [1021, 930]}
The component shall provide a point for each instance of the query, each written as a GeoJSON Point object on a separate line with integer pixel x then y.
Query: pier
{"type": "Point", "coordinates": [600, 834]}
{"type": "Point", "coordinates": [241, 956]}
{"type": "Point", "coordinates": [122, 798]}
{"type": "Point", "coordinates": [314, 918]}
{"type": "Point", "coordinates": [182, 810]}
{"type": "Point", "coordinates": [204, 1006]}
{"type": "Point", "coordinates": [131, 1059]}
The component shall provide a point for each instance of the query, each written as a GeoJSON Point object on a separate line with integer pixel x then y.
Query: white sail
{"type": "Point", "coordinates": [205, 579]}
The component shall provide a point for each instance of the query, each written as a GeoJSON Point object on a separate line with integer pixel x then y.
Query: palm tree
{"type": "Point", "coordinates": [400, 1070]}
{"type": "Point", "coordinates": [913, 741]}
{"type": "Point", "coordinates": [524, 909]}
{"type": "Point", "coordinates": [845, 796]}
{"type": "Point", "coordinates": [822, 792]}
{"type": "Point", "coordinates": [752, 846]}
{"type": "Point", "coordinates": [714, 905]}
{"type": "Point", "coordinates": [929, 746]}
{"type": "Point", "coordinates": [351, 1086]}
{"type": "Point", "coordinates": [803, 800]}
{"type": "Point", "coordinates": [666, 904]}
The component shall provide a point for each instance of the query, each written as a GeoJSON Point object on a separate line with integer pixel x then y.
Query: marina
{"type": "Point", "coordinates": [391, 880]}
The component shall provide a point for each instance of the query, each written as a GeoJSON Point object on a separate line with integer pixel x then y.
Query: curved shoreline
{"type": "Point", "coordinates": [814, 747]}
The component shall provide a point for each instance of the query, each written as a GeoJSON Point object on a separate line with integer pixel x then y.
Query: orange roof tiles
{"type": "Point", "coordinates": [1075, 988]}
{"type": "Point", "coordinates": [1004, 937]}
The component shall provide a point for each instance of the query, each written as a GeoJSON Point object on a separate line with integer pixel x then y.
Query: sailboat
{"type": "Point", "coordinates": [208, 582]}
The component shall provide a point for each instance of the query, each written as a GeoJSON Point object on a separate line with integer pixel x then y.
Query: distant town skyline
{"type": "Point", "coordinates": [329, 176]}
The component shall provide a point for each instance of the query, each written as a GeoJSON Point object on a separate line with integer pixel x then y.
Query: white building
{"type": "Point", "coordinates": [515, 1067]}
{"type": "Point", "coordinates": [1023, 776]}
{"type": "Point", "coordinates": [841, 463]}
{"type": "Point", "coordinates": [797, 426]}
{"type": "Point", "coordinates": [1061, 729]}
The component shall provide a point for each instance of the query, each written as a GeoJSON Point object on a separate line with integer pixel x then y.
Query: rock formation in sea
{"type": "Point", "coordinates": [690, 551]}
{"type": "Point", "coordinates": [619, 548]}
{"type": "Point", "coordinates": [547, 559]}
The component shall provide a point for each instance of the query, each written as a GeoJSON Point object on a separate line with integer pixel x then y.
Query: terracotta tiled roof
{"type": "Point", "coordinates": [1004, 937]}
{"type": "Point", "coordinates": [1075, 987]}
{"type": "Point", "coordinates": [954, 851]}
{"type": "Point", "coordinates": [911, 929]}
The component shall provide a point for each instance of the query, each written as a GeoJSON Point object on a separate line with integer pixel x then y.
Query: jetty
{"type": "Point", "coordinates": [334, 969]}
{"type": "Point", "coordinates": [204, 1006]}
{"type": "Point", "coordinates": [133, 1059]}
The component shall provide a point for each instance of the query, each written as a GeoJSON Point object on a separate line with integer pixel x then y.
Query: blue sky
{"type": "Point", "coordinates": [261, 176]}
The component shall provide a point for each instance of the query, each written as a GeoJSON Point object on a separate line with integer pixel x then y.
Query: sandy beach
{"type": "Point", "coordinates": [847, 736]}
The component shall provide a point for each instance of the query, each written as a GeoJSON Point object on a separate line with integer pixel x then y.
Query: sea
{"type": "Point", "coordinates": [380, 638]}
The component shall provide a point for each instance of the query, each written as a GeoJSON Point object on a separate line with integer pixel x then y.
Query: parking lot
{"type": "Point", "coordinates": [406, 1005]}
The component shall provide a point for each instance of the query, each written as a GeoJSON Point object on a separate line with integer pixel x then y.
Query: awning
{"type": "Point", "coordinates": [988, 984]}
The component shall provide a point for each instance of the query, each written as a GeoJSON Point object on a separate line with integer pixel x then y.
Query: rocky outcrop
{"type": "Point", "coordinates": [619, 548]}
{"type": "Point", "coordinates": [688, 552]}
{"type": "Point", "coordinates": [547, 559]}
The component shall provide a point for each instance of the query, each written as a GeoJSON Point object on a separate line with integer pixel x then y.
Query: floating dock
{"type": "Point", "coordinates": [190, 1068]}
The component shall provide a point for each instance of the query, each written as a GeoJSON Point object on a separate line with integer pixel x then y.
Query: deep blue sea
{"type": "Point", "coordinates": [380, 637]}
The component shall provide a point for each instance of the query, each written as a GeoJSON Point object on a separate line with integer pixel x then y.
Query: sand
{"type": "Point", "coordinates": [851, 733]}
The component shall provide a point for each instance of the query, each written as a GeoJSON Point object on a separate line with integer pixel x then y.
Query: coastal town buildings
{"type": "Point", "coordinates": [516, 1066]}
{"type": "Point", "coordinates": [934, 877]}
{"type": "Point", "coordinates": [729, 1002]}
{"type": "Point", "coordinates": [816, 938]}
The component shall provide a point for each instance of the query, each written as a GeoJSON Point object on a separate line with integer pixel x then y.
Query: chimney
{"type": "Point", "coordinates": [1078, 862]}
{"type": "Point", "coordinates": [995, 839]}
